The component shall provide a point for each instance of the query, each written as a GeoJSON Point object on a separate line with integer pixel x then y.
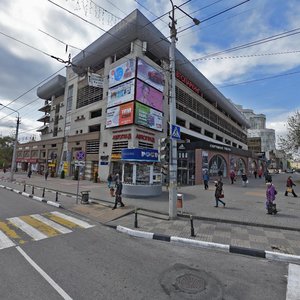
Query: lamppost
{"type": "Point", "coordinates": [13, 162]}
{"type": "Point", "coordinates": [172, 105]}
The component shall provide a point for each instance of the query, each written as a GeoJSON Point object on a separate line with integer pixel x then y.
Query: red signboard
{"type": "Point", "coordinates": [188, 83]}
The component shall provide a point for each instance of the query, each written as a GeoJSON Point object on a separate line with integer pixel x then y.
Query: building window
{"type": "Point", "coordinates": [92, 146]}
{"type": "Point", "coordinates": [219, 138]}
{"type": "Point", "coordinates": [88, 95]}
{"type": "Point", "coordinates": [70, 98]}
{"type": "Point", "coordinates": [209, 134]}
{"type": "Point", "coordinates": [94, 128]}
{"type": "Point", "coordinates": [96, 113]}
{"type": "Point", "coordinates": [195, 128]}
{"type": "Point", "coordinates": [180, 122]}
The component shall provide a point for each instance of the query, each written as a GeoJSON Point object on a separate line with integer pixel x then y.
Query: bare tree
{"type": "Point", "coordinates": [291, 142]}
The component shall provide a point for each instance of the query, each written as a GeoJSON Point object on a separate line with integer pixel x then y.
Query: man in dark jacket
{"type": "Point", "coordinates": [118, 195]}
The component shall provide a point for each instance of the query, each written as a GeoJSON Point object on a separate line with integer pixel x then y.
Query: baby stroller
{"type": "Point", "coordinates": [271, 209]}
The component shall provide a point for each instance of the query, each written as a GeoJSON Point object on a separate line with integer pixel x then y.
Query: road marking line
{"type": "Point", "coordinates": [5, 242]}
{"type": "Point", "coordinates": [35, 234]}
{"type": "Point", "coordinates": [44, 275]}
{"type": "Point", "coordinates": [56, 226]}
{"type": "Point", "coordinates": [72, 219]}
{"type": "Point", "coordinates": [40, 226]}
{"type": "Point", "coordinates": [293, 290]}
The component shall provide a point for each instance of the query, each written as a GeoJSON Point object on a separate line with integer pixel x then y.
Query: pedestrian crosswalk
{"type": "Point", "coordinates": [19, 230]}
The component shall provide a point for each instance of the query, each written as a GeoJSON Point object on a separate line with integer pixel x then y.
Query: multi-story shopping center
{"type": "Point", "coordinates": [115, 97]}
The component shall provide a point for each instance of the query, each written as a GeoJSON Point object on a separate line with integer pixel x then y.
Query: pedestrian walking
{"type": "Point", "coordinates": [244, 179]}
{"type": "Point", "coordinates": [270, 196]}
{"type": "Point", "coordinates": [109, 181]}
{"type": "Point", "coordinates": [220, 174]}
{"type": "Point", "coordinates": [255, 173]}
{"type": "Point", "coordinates": [259, 173]}
{"type": "Point", "coordinates": [118, 194]}
{"type": "Point", "coordinates": [268, 177]}
{"type": "Point", "coordinates": [46, 174]}
{"type": "Point", "coordinates": [205, 180]}
{"type": "Point", "coordinates": [289, 187]}
{"type": "Point", "coordinates": [29, 173]}
{"type": "Point", "coordinates": [219, 193]}
{"type": "Point", "coordinates": [232, 176]}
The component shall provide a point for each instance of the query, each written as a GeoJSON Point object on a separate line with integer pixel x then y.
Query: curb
{"type": "Point", "coordinates": [276, 256]}
{"type": "Point", "coordinates": [33, 197]}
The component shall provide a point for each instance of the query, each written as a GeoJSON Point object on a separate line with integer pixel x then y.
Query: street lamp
{"type": "Point", "coordinates": [172, 97]}
{"type": "Point", "coordinates": [13, 162]}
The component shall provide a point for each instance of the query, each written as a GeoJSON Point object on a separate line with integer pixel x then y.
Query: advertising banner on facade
{"type": "Point", "coordinates": [148, 95]}
{"type": "Point", "coordinates": [120, 115]}
{"type": "Point", "coordinates": [95, 80]}
{"type": "Point", "coordinates": [150, 75]}
{"type": "Point", "coordinates": [148, 117]}
{"type": "Point", "coordinates": [137, 154]}
{"type": "Point", "coordinates": [122, 73]}
{"type": "Point", "coordinates": [121, 93]}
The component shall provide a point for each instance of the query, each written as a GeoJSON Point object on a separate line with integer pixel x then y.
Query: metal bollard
{"type": "Point", "coordinates": [24, 189]}
{"type": "Point", "coordinates": [192, 226]}
{"type": "Point", "coordinates": [32, 192]}
{"type": "Point", "coordinates": [56, 197]}
{"type": "Point", "coordinates": [43, 195]}
{"type": "Point", "coordinates": [135, 219]}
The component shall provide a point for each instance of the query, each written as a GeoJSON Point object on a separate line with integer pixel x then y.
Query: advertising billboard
{"type": "Point", "coordinates": [150, 75]}
{"type": "Point", "coordinates": [138, 154]}
{"type": "Point", "coordinates": [148, 95]}
{"type": "Point", "coordinates": [121, 93]}
{"type": "Point", "coordinates": [120, 115]}
{"type": "Point", "coordinates": [148, 117]}
{"type": "Point", "coordinates": [122, 73]}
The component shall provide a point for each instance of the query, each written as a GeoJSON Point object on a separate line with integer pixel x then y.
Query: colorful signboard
{"type": "Point", "coordinates": [150, 75]}
{"type": "Point", "coordinates": [121, 93]}
{"type": "Point", "coordinates": [148, 95]}
{"type": "Point", "coordinates": [137, 154]}
{"type": "Point", "coordinates": [148, 117]}
{"type": "Point", "coordinates": [122, 73]}
{"type": "Point", "coordinates": [120, 115]}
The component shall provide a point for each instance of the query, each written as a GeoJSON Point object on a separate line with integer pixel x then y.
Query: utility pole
{"type": "Point", "coordinates": [13, 162]}
{"type": "Point", "coordinates": [172, 105]}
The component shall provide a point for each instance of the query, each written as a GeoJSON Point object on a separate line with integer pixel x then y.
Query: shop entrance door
{"type": "Point", "coordinates": [182, 177]}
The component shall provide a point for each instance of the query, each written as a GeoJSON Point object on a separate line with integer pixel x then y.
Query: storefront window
{"type": "Point", "coordinates": [128, 171]}
{"type": "Point", "coordinates": [216, 165]}
{"type": "Point", "coordinates": [142, 174]}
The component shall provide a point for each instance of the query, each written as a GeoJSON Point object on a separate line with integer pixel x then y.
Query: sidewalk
{"type": "Point", "coordinates": [243, 222]}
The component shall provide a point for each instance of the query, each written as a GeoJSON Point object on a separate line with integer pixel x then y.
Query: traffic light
{"type": "Point", "coordinates": [164, 151]}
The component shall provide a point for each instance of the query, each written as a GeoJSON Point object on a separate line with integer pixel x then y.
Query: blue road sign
{"type": "Point", "coordinates": [175, 132]}
{"type": "Point", "coordinates": [80, 155]}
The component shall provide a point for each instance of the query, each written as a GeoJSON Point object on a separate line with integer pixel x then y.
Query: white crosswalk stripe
{"type": "Point", "coordinates": [52, 224]}
{"type": "Point", "coordinates": [72, 219]}
{"type": "Point", "coordinates": [5, 242]}
{"type": "Point", "coordinates": [31, 231]}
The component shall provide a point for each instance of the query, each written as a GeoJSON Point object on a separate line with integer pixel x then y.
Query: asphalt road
{"type": "Point", "coordinates": [100, 263]}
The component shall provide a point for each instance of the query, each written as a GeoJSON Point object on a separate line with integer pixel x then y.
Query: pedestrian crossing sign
{"type": "Point", "coordinates": [175, 132]}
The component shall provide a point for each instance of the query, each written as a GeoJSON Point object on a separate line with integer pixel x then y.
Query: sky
{"type": "Point", "coordinates": [250, 50]}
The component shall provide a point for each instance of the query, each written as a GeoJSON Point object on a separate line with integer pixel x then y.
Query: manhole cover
{"type": "Point", "coordinates": [183, 282]}
{"type": "Point", "coordinates": [190, 283]}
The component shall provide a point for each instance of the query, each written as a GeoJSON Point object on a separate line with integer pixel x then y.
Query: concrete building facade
{"type": "Point", "coordinates": [115, 96]}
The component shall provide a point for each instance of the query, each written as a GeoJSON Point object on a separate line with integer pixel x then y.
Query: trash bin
{"type": "Point", "coordinates": [85, 197]}
{"type": "Point", "coordinates": [179, 203]}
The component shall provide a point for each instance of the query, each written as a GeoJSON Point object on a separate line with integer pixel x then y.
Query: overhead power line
{"type": "Point", "coordinates": [253, 43]}
{"type": "Point", "coordinates": [249, 55]}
